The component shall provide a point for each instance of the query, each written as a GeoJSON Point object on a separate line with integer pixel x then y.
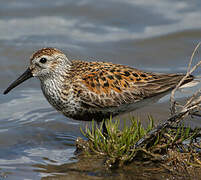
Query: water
{"type": "Point", "coordinates": [35, 140]}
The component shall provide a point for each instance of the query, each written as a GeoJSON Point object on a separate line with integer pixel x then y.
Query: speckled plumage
{"type": "Point", "coordinates": [95, 90]}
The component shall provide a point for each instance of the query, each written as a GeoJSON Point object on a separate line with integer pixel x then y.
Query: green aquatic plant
{"type": "Point", "coordinates": [119, 146]}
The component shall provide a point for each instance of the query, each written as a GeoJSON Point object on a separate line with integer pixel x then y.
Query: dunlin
{"type": "Point", "coordinates": [85, 90]}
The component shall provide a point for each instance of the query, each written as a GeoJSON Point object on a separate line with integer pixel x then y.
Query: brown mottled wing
{"type": "Point", "coordinates": [110, 85]}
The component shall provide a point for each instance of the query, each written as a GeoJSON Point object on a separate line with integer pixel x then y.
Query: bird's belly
{"type": "Point", "coordinates": [67, 107]}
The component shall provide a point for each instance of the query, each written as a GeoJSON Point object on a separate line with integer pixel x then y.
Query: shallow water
{"type": "Point", "coordinates": [151, 35]}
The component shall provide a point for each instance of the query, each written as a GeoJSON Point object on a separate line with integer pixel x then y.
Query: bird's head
{"type": "Point", "coordinates": [44, 64]}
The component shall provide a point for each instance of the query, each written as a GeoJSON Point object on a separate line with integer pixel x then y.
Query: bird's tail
{"type": "Point", "coordinates": [190, 82]}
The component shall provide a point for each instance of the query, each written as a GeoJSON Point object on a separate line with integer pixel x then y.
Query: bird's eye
{"type": "Point", "coordinates": [43, 60]}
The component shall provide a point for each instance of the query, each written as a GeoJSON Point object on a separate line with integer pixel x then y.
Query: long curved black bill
{"type": "Point", "coordinates": [26, 75]}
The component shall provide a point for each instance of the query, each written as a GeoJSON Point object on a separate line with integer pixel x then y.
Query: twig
{"type": "Point", "coordinates": [195, 95]}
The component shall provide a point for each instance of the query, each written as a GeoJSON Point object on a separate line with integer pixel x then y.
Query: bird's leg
{"type": "Point", "coordinates": [105, 133]}
{"type": "Point", "coordinates": [104, 129]}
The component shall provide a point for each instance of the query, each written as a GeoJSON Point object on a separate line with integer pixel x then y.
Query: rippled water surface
{"type": "Point", "coordinates": [154, 35]}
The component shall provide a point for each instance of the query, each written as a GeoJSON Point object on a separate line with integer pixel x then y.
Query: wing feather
{"type": "Point", "coordinates": [110, 85]}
